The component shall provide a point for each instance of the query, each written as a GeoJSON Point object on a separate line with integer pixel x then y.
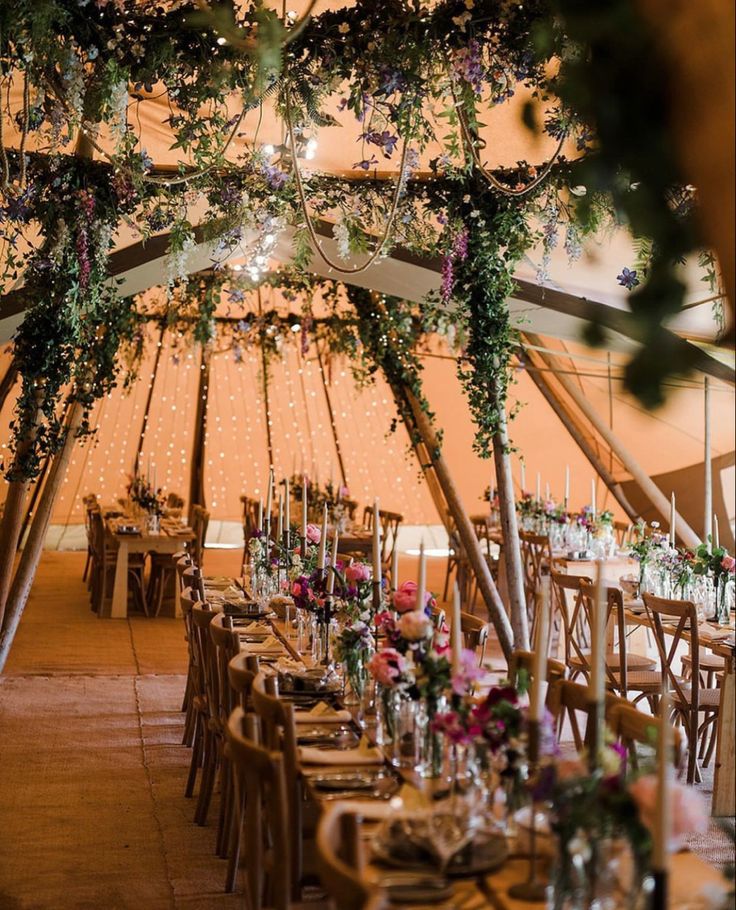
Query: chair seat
{"type": "Point", "coordinates": [642, 680]}
{"type": "Point", "coordinates": [709, 699]}
{"type": "Point", "coordinates": [633, 661]}
{"type": "Point", "coordinates": [707, 662]}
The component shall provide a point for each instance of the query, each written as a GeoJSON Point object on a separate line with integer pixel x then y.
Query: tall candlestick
{"type": "Point", "coordinates": [305, 509]}
{"type": "Point", "coordinates": [539, 486]}
{"type": "Point", "coordinates": [523, 477]}
{"type": "Point", "coordinates": [332, 479]}
{"type": "Point", "coordinates": [546, 491]}
{"type": "Point", "coordinates": [153, 482]}
{"type": "Point", "coordinates": [716, 533]}
{"type": "Point", "coordinates": [456, 631]}
{"type": "Point", "coordinates": [592, 496]}
{"type": "Point", "coordinates": [673, 519]}
{"type": "Point", "coordinates": [395, 568]}
{"type": "Point", "coordinates": [539, 669]}
{"type": "Point", "coordinates": [269, 501]}
{"type": "Point", "coordinates": [707, 465]}
{"type": "Point", "coordinates": [280, 526]}
{"type": "Point", "coordinates": [333, 563]}
{"type": "Point", "coordinates": [260, 514]}
{"type": "Point", "coordinates": [376, 543]}
{"type": "Point", "coordinates": [567, 484]}
{"type": "Point", "coordinates": [596, 687]}
{"type": "Point", "coordinates": [663, 819]}
{"type": "Point", "coordinates": [422, 585]}
{"type": "Point", "coordinates": [287, 513]}
{"type": "Point", "coordinates": [322, 540]}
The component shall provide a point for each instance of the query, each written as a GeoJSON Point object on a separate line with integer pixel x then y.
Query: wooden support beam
{"type": "Point", "coordinates": [630, 463]}
{"type": "Point", "coordinates": [149, 399]}
{"type": "Point", "coordinates": [494, 604]}
{"type": "Point", "coordinates": [7, 383]}
{"type": "Point", "coordinates": [10, 524]}
{"type": "Point", "coordinates": [196, 474]}
{"type": "Point", "coordinates": [28, 563]}
{"type": "Point", "coordinates": [542, 382]}
{"type": "Point", "coordinates": [331, 415]}
{"type": "Point", "coordinates": [510, 530]}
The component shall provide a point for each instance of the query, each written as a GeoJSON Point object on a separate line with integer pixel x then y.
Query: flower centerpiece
{"type": "Point", "coordinates": [145, 497]}
{"type": "Point", "coordinates": [598, 814]}
{"type": "Point", "coordinates": [715, 563]}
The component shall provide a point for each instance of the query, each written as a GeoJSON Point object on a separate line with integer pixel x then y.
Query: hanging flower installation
{"type": "Point", "coordinates": [413, 75]}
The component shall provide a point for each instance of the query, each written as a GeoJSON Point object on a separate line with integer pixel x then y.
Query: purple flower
{"type": "Point", "coordinates": [275, 176]}
{"type": "Point", "coordinates": [146, 161]}
{"type": "Point", "coordinates": [236, 295]}
{"type": "Point", "coordinates": [384, 140]}
{"type": "Point", "coordinates": [367, 163]}
{"type": "Point", "coordinates": [627, 279]}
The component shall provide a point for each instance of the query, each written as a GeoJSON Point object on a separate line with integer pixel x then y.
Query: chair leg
{"type": "Point", "coordinates": [692, 753]}
{"type": "Point", "coordinates": [196, 761]}
{"type": "Point", "coordinates": [711, 738]}
{"type": "Point", "coordinates": [235, 842]}
{"type": "Point", "coordinates": [223, 821]}
{"type": "Point", "coordinates": [207, 784]}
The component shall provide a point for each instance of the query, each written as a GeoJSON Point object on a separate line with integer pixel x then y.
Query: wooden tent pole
{"type": "Point", "coordinates": [645, 482]}
{"type": "Point", "coordinates": [486, 585]}
{"type": "Point", "coordinates": [149, 399]}
{"type": "Point", "coordinates": [196, 473]}
{"type": "Point", "coordinates": [7, 383]}
{"type": "Point", "coordinates": [10, 524]}
{"type": "Point", "coordinates": [26, 571]}
{"type": "Point", "coordinates": [541, 381]}
{"type": "Point", "coordinates": [331, 415]}
{"type": "Point", "coordinates": [510, 530]}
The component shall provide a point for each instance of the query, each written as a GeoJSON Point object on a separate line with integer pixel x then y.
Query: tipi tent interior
{"type": "Point", "coordinates": [269, 267]}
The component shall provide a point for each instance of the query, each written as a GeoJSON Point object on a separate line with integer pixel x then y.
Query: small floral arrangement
{"type": "Point", "coordinates": [404, 598]}
{"type": "Point", "coordinates": [715, 562]}
{"type": "Point", "coordinates": [142, 493]}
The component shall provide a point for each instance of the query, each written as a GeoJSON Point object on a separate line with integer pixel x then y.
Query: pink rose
{"type": "Point", "coordinates": [314, 533]}
{"type": "Point", "coordinates": [687, 807]}
{"type": "Point", "coordinates": [386, 666]}
{"type": "Point", "coordinates": [728, 563]}
{"type": "Point", "coordinates": [405, 598]}
{"type": "Point", "coordinates": [358, 572]}
{"type": "Point", "coordinates": [415, 625]}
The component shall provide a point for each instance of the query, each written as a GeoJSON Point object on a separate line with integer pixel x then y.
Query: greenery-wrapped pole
{"type": "Point", "coordinates": [494, 604]}
{"type": "Point", "coordinates": [26, 571]}
{"type": "Point", "coordinates": [7, 383]}
{"type": "Point", "coordinates": [12, 519]}
{"type": "Point", "coordinates": [196, 476]}
{"type": "Point", "coordinates": [510, 530]}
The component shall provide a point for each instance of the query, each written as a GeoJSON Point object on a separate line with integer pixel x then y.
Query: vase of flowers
{"type": "Point", "coordinates": [353, 649]}
{"type": "Point", "coordinates": [716, 564]}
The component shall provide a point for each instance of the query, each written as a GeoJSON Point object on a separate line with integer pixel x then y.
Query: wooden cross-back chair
{"type": "Point", "coordinates": [90, 505]}
{"type": "Point", "coordinates": [482, 527]}
{"type": "Point", "coordinates": [573, 699]}
{"type": "Point", "coordinates": [250, 524]}
{"type": "Point", "coordinates": [624, 532]}
{"type": "Point", "coordinates": [279, 734]}
{"type": "Point", "coordinates": [536, 558]}
{"type": "Point", "coordinates": [390, 524]}
{"type": "Point", "coordinates": [103, 567]}
{"type": "Point", "coordinates": [633, 728]}
{"type": "Point", "coordinates": [205, 746]}
{"type": "Point", "coordinates": [475, 634]}
{"type": "Point", "coordinates": [226, 645]}
{"type": "Point", "coordinates": [164, 571]}
{"type": "Point", "coordinates": [627, 673]}
{"type": "Point", "coordinates": [689, 698]}
{"type": "Point", "coordinates": [242, 669]}
{"type": "Point", "coordinates": [572, 610]}
{"type": "Point", "coordinates": [340, 861]}
{"type": "Point", "coordinates": [457, 563]}
{"type": "Point", "coordinates": [261, 788]}
{"type": "Point", "coordinates": [200, 523]}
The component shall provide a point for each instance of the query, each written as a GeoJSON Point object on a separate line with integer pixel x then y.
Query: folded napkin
{"type": "Point", "coordinates": [289, 665]}
{"type": "Point", "coordinates": [708, 633]}
{"type": "Point", "coordinates": [322, 713]}
{"type": "Point", "coordinates": [364, 754]}
{"type": "Point", "coordinates": [268, 645]}
{"type": "Point", "coordinates": [255, 628]}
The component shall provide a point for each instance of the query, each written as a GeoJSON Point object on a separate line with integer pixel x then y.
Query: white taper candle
{"type": "Point", "coordinates": [376, 542]}
{"type": "Point", "coordinates": [333, 563]}
{"type": "Point", "coordinates": [597, 685]}
{"type": "Point", "coordinates": [322, 540]}
{"type": "Point", "coordinates": [539, 669]}
{"type": "Point", "coordinates": [456, 631]}
{"type": "Point", "coordinates": [422, 583]}
{"type": "Point", "coordinates": [673, 519]}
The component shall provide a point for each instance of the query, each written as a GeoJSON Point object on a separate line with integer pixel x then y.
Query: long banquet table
{"type": "Point", "coordinates": [691, 877]}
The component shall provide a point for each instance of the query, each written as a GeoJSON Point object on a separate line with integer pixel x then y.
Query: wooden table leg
{"type": "Point", "coordinates": [724, 782]}
{"type": "Point", "coordinates": [120, 590]}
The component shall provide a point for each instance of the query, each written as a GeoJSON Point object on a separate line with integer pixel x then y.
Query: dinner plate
{"type": "Point", "coordinates": [344, 781]}
{"type": "Point", "coordinates": [484, 854]}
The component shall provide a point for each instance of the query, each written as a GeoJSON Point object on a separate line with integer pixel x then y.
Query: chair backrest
{"type": "Point", "coordinates": [279, 734]}
{"type": "Point", "coordinates": [202, 616]}
{"type": "Point", "coordinates": [482, 528]}
{"type": "Point", "coordinates": [475, 633]}
{"type": "Point", "coordinates": [617, 676]}
{"type": "Point", "coordinates": [574, 617]}
{"type": "Point", "coordinates": [684, 616]}
{"type": "Point", "coordinates": [226, 645]}
{"type": "Point", "coordinates": [524, 660]}
{"type": "Point", "coordinates": [260, 784]}
{"type": "Point", "coordinates": [242, 669]}
{"type": "Point", "coordinates": [174, 501]}
{"type": "Point", "coordinates": [624, 531]}
{"type": "Point", "coordinates": [565, 695]}
{"type": "Point", "coordinates": [184, 562]}
{"type": "Point", "coordinates": [390, 523]}
{"type": "Point", "coordinates": [340, 861]}
{"type": "Point", "coordinates": [200, 522]}
{"type": "Point", "coordinates": [632, 727]}
{"type": "Point", "coordinates": [536, 555]}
